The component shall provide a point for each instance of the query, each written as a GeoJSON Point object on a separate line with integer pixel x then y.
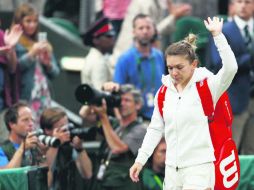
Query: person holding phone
{"type": "Point", "coordinates": [36, 61]}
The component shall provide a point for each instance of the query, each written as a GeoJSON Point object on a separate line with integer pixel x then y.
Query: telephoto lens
{"type": "Point", "coordinates": [49, 141]}
{"type": "Point", "coordinates": [74, 131]}
{"type": "Point", "coordinates": [46, 140]}
{"type": "Point", "coordinates": [80, 132]}
{"type": "Point", "coordinates": [87, 95]}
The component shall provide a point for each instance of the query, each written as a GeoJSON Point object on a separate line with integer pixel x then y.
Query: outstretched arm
{"type": "Point", "coordinates": [115, 143]}
{"type": "Point", "coordinates": [222, 80]}
{"type": "Point", "coordinates": [214, 25]}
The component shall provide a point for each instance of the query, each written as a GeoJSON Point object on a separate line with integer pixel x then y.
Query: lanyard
{"type": "Point", "coordinates": [158, 181]}
{"type": "Point", "coordinates": [142, 74]}
{"type": "Point", "coordinates": [120, 132]}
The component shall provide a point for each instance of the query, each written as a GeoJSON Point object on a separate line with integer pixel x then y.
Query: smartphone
{"type": "Point", "coordinates": [42, 36]}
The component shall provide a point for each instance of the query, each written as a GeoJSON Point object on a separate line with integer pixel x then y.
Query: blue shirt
{"type": "Point", "coordinates": [142, 72]}
{"type": "Point", "coordinates": [3, 158]}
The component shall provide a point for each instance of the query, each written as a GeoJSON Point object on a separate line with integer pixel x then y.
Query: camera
{"type": "Point", "coordinates": [85, 94]}
{"type": "Point", "coordinates": [47, 140]}
{"type": "Point", "coordinates": [80, 132]}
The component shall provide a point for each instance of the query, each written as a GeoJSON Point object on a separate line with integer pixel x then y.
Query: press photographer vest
{"type": "Point", "coordinates": [28, 157]}
{"type": "Point", "coordinates": [64, 169]}
{"type": "Point", "coordinates": [124, 158]}
{"type": "Point", "coordinates": [116, 174]}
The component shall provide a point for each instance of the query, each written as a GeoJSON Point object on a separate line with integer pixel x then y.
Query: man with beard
{"type": "Point", "coordinates": [142, 65]}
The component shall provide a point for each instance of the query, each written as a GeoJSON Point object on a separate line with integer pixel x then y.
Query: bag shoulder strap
{"type": "Point", "coordinates": [161, 98]}
{"type": "Point", "coordinates": [8, 149]}
{"type": "Point", "coordinates": [204, 94]}
{"type": "Point", "coordinates": [206, 98]}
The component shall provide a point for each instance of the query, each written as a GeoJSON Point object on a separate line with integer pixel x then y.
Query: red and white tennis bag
{"type": "Point", "coordinates": [227, 166]}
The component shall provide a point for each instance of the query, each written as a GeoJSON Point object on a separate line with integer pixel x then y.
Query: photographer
{"type": "Point", "coordinates": [66, 159]}
{"type": "Point", "coordinates": [122, 140]}
{"type": "Point", "coordinates": [21, 148]}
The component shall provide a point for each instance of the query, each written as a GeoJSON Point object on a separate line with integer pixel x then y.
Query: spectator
{"type": "Point", "coordinates": [231, 10]}
{"type": "Point", "coordinates": [63, 161]}
{"type": "Point", "coordinates": [201, 9]}
{"type": "Point", "coordinates": [239, 34]}
{"type": "Point", "coordinates": [36, 61]}
{"type": "Point", "coordinates": [190, 153]}
{"type": "Point", "coordinates": [21, 147]}
{"type": "Point", "coordinates": [97, 68]}
{"type": "Point", "coordinates": [100, 37]}
{"type": "Point", "coordinates": [154, 174]}
{"type": "Point", "coordinates": [142, 65]}
{"type": "Point", "coordinates": [122, 140]}
{"type": "Point", "coordinates": [8, 78]}
{"type": "Point", "coordinates": [164, 13]}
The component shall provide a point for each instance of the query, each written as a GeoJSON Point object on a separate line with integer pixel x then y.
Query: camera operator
{"type": "Point", "coordinates": [122, 141]}
{"type": "Point", "coordinates": [21, 148]}
{"type": "Point", "coordinates": [65, 160]}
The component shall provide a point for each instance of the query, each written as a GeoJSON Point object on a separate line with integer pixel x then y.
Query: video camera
{"type": "Point", "coordinates": [80, 132]}
{"type": "Point", "coordinates": [46, 140]}
{"type": "Point", "coordinates": [85, 94]}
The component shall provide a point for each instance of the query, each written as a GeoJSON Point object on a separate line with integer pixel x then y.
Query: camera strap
{"type": "Point", "coordinates": [8, 149]}
{"type": "Point", "coordinates": [120, 131]}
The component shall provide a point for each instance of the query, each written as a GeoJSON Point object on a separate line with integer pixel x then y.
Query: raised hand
{"type": "Point", "coordinates": [214, 25]}
{"type": "Point", "coordinates": [76, 143]}
{"type": "Point", "coordinates": [179, 10]}
{"type": "Point", "coordinates": [63, 134]}
{"type": "Point", "coordinates": [101, 111]}
{"type": "Point", "coordinates": [111, 86]}
{"type": "Point", "coordinates": [11, 37]}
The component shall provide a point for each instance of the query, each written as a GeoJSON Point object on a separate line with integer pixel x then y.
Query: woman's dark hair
{"type": "Point", "coordinates": [50, 116]}
{"type": "Point", "coordinates": [184, 48]}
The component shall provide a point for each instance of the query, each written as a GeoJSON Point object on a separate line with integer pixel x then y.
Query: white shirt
{"type": "Point", "coordinates": [242, 23]}
{"type": "Point", "coordinates": [96, 69]}
{"type": "Point", "coordinates": [185, 126]}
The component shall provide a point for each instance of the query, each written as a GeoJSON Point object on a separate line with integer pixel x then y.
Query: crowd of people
{"type": "Point", "coordinates": [140, 148]}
